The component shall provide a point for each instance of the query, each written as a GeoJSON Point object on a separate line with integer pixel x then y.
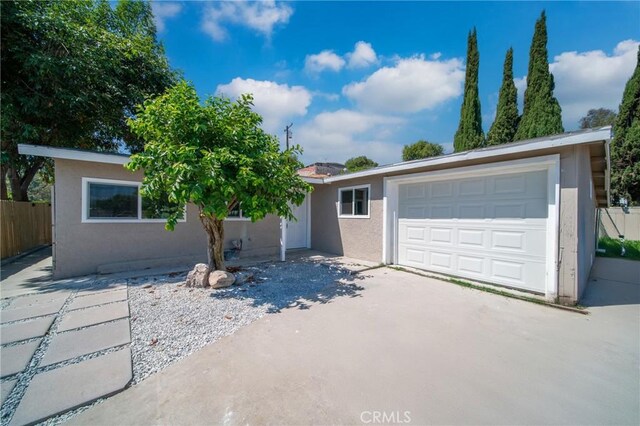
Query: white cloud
{"type": "Point", "coordinates": [342, 134]}
{"type": "Point", "coordinates": [362, 56]}
{"type": "Point", "coordinates": [325, 60]}
{"type": "Point", "coordinates": [261, 16]}
{"type": "Point", "coordinates": [412, 85]}
{"type": "Point", "coordinates": [163, 11]}
{"type": "Point", "coordinates": [586, 80]}
{"type": "Point", "coordinates": [277, 103]}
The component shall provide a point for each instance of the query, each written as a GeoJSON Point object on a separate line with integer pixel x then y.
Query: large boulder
{"type": "Point", "coordinates": [221, 279]}
{"type": "Point", "coordinates": [197, 277]}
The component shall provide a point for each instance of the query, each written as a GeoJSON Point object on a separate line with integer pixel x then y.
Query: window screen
{"type": "Point", "coordinates": [361, 204]}
{"type": "Point", "coordinates": [346, 202]}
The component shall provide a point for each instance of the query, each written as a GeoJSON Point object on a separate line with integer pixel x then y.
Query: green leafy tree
{"type": "Point", "coordinates": [360, 163]}
{"type": "Point", "coordinates": [598, 118]}
{"type": "Point", "coordinates": [469, 134]}
{"type": "Point", "coordinates": [215, 156]}
{"type": "Point", "coordinates": [625, 147]}
{"type": "Point", "coordinates": [72, 72]}
{"type": "Point", "coordinates": [505, 125]}
{"type": "Point", "coordinates": [421, 149]}
{"type": "Point", "coordinates": [542, 115]}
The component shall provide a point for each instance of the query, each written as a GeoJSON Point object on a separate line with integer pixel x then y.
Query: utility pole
{"type": "Point", "coordinates": [287, 132]}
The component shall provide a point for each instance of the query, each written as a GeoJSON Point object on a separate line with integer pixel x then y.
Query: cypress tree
{"type": "Point", "coordinates": [469, 134]}
{"type": "Point", "coordinates": [505, 124]}
{"type": "Point", "coordinates": [625, 147]}
{"type": "Point", "coordinates": [542, 115]}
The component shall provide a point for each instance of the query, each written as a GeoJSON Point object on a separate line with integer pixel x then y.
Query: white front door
{"type": "Point", "coordinates": [297, 230]}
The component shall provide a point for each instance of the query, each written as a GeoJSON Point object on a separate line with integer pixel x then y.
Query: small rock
{"type": "Point", "coordinates": [243, 277]}
{"type": "Point", "coordinates": [221, 279]}
{"type": "Point", "coordinates": [228, 317]}
{"type": "Point", "coordinates": [197, 276]}
{"type": "Point", "coordinates": [153, 341]}
{"type": "Point", "coordinates": [147, 286]}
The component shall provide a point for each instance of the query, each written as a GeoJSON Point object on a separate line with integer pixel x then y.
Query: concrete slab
{"type": "Point", "coordinates": [38, 299]}
{"type": "Point", "coordinates": [98, 299]}
{"type": "Point", "coordinates": [27, 275]}
{"type": "Point", "coordinates": [10, 333]}
{"type": "Point", "coordinates": [94, 315]}
{"type": "Point", "coordinates": [65, 388]}
{"type": "Point", "coordinates": [400, 343]}
{"type": "Point", "coordinates": [613, 269]}
{"type": "Point", "coordinates": [73, 344]}
{"type": "Point", "coordinates": [99, 288]}
{"type": "Point", "coordinates": [52, 307]}
{"type": "Point", "coordinates": [16, 358]}
{"type": "Point", "coordinates": [5, 389]}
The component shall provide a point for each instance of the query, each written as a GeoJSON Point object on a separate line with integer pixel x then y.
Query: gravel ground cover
{"type": "Point", "coordinates": [170, 321]}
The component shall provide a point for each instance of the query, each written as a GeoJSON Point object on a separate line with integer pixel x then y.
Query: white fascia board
{"type": "Point", "coordinates": [603, 134]}
{"type": "Point", "coordinates": [71, 154]}
{"type": "Point", "coordinates": [312, 180]}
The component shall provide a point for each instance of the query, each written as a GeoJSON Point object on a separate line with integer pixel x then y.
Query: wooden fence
{"type": "Point", "coordinates": [23, 226]}
{"type": "Point", "coordinates": [615, 221]}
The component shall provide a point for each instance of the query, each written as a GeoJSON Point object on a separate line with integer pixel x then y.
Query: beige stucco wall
{"type": "Point", "coordinates": [84, 248]}
{"type": "Point", "coordinates": [359, 238]}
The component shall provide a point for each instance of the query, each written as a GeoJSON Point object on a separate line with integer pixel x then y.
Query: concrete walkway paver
{"type": "Point", "coordinates": [73, 344]}
{"type": "Point", "coordinates": [37, 299]}
{"type": "Point", "coordinates": [16, 332]}
{"type": "Point", "coordinates": [16, 358]}
{"type": "Point", "coordinates": [94, 315]}
{"type": "Point", "coordinates": [98, 299]}
{"type": "Point", "coordinates": [9, 314]}
{"type": "Point", "coordinates": [5, 389]}
{"type": "Point", "coordinates": [63, 369]}
{"type": "Point", "coordinates": [67, 387]}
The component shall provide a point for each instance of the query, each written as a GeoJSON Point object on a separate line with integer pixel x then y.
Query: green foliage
{"type": "Point", "coordinates": [72, 72]}
{"type": "Point", "coordinates": [625, 147]}
{"type": "Point", "coordinates": [613, 248]}
{"type": "Point", "coordinates": [598, 118]}
{"type": "Point", "coordinates": [469, 134]}
{"type": "Point", "coordinates": [505, 125]}
{"type": "Point", "coordinates": [360, 163]}
{"type": "Point", "coordinates": [421, 149]}
{"type": "Point", "coordinates": [215, 156]}
{"type": "Point", "coordinates": [542, 115]}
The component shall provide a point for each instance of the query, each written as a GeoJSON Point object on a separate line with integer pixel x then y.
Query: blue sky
{"type": "Point", "coordinates": [366, 78]}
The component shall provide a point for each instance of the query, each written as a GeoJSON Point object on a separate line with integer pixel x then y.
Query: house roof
{"type": "Point", "coordinates": [588, 136]}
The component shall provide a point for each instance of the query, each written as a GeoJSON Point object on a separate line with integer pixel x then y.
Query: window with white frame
{"type": "Point", "coordinates": [354, 201]}
{"type": "Point", "coordinates": [236, 213]}
{"type": "Point", "coordinates": [106, 200]}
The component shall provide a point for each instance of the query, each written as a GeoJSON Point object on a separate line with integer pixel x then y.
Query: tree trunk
{"type": "Point", "coordinates": [4, 194]}
{"type": "Point", "coordinates": [215, 241]}
{"type": "Point", "coordinates": [20, 184]}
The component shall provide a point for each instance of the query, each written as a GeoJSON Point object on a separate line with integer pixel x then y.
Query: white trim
{"type": "Point", "coordinates": [85, 200]}
{"type": "Point", "coordinates": [602, 134]}
{"type": "Point", "coordinates": [551, 163]}
{"type": "Point", "coordinates": [312, 180]}
{"type": "Point", "coordinates": [308, 220]}
{"type": "Point", "coordinates": [283, 239]}
{"type": "Point", "coordinates": [72, 154]}
{"type": "Point", "coordinates": [352, 188]}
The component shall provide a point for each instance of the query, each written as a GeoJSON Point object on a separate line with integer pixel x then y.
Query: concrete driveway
{"type": "Point", "coordinates": [403, 349]}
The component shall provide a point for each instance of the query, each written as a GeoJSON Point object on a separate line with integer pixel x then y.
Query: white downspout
{"type": "Point", "coordinates": [283, 239]}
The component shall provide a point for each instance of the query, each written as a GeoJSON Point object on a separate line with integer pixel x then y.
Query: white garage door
{"type": "Point", "coordinates": [488, 228]}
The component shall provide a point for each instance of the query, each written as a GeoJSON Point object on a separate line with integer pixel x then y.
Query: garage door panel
{"type": "Point", "coordinates": [490, 228]}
